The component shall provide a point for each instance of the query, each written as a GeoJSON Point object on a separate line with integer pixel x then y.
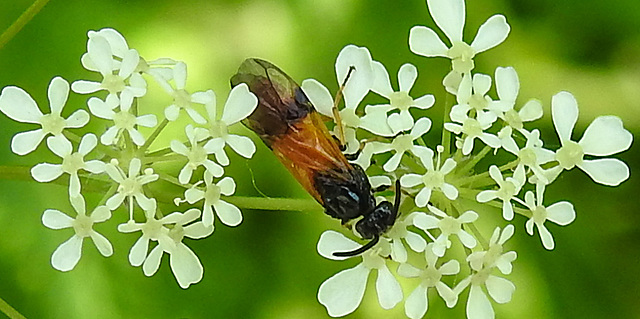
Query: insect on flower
{"type": "Point", "coordinates": [288, 124]}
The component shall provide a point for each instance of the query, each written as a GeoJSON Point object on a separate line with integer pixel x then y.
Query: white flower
{"type": "Point", "coordinates": [358, 85]}
{"type": "Point", "coordinates": [433, 179]}
{"type": "Point", "coordinates": [197, 155]}
{"type": "Point", "coordinates": [152, 230]}
{"type": "Point", "coordinates": [508, 87]}
{"type": "Point", "coordinates": [130, 185]}
{"type": "Point", "coordinates": [472, 128]}
{"type": "Point", "coordinates": [533, 155]}
{"type": "Point", "coordinates": [448, 226]}
{"type": "Point", "coordinates": [604, 136]}
{"type": "Point", "coordinates": [240, 104]}
{"type": "Point", "coordinates": [127, 82]}
{"type": "Point", "coordinates": [478, 305]}
{"type": "Point", "coordinates": [416, 304]}
{"type": "Point", "coordinates": [20, 106]}
{"type": "Point", "coordinates": [182, 100]}
{"type": "Point", "coordinates": [185, 265]}
{"type": "Point", "coordinates": [399, 100]}
{"type": "Point", "coordinates": [399, 232]}
{"type": "Point", "coordinates": [449, 15]}
{"type": "Point", "coordinates": [123, 120]}
{"type": "Point", "coordinates": [71, 162]}
{"type": "Point", "coordinates": [229, 214]}
{"type": "Point", "coordinates": [507, 190]}
{"type": "Point", "coordinates": [561, 213]}
{"type": "Point", "coordinates": [67, 255]}
{"type": "Point", "coordinates": [342, 293]}
{"type": "Point", "coordinates": [401, 144]}
{"type": "Point", "coordinates": [472, 95]}
{"type": "Point", "coordinates": [117, 43]}
{"type": "Point", "coordinates": [494, 256]}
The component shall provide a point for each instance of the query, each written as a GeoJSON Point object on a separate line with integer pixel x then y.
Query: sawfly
{"type": "Point", "coordinates": [288, 124]}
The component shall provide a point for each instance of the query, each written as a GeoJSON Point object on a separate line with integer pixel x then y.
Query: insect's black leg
{"type": "Point", "coordinates": [380, 188]}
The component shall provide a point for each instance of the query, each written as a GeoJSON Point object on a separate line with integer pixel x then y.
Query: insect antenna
{"type": "Point", "coordinates": [336, 114]}
{"type": "Point", "coordinates": [360, 250]}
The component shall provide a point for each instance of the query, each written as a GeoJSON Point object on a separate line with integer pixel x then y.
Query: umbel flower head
{"type": "Point", "coordinates": [124, 166]}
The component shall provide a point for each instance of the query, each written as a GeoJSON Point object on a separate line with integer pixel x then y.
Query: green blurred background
{"type": "Point", "coordinates": [268, 266]}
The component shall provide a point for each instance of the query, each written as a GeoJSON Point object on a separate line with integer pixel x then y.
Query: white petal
{"type": "Point", "coordinates": [147, 120]}
{"type": "Point", "coordinates": [491, 33]}
{"type": "Point", "coordinates": [229, 214]}
{"type": "Point", "coordinates": [85, 87]}
{"type": "Point", "coordinates": [381, 84]}
{"type": "Point", "coordinates": [186, 266]}
{"type": "Point", "coordinates": [102, 243]}
{"type": "Point", "coordinates": [485, 196]}
{"type": "Point", "coordinates": [388, 288]}
{"type": "Point", "coordinates": [19, 106]}
{"type": "Point", "coordinates": [342, 293]}
{"type": "Point", "coordinates": [172, 112]}
{"type": "Point", "coordinates": [152, 263]}
{"type": "Point", "coordinates": [227, 186]}
{"type": "Point", "coordinates": [450, 191]}
{"type": "Point", "coordinates": [447, 294]}
{"type": "Point", "coordinates": [416, 304]}
{"type": "Point", "coordinates": [100, 54]}
{"type": "Point", "coordinates": [424, 41]}
{"type": "Point", "coordinates": [606, 171]}
{"type": "Point", "coordinates": [87, 144]}
{"type": "Point", "coordinates": [605, 136]}
{"type": "Point", "coordinates": [423, 197]}
{"type": "Point", "coordinates": [393, 162]}
{"type": "Point", "coordinates": [138, 252]}
{"type": "Point", "coordinates": [213, 168]}
{"type": "Point", "coordinates": [481, 83]}
{"type": "Point", "coordinates": [407, 77]}
{"type": "Point", "coordinates": [56, 219]}
{"type": "Point", "coordinates": [466, 239]}
{"type": "Point", "coordinates": [531, 111]}
{"type": "Point", "coordinates": [319, 96]}
{"type": "Point", "coordinates": [241, 145]}
{"type": "Point", "coordinates": [478, 305]}
{"type": "Point", "coordinates": [77, 119]}
{"type": "Point", "coordinates": [561, 213]}
{"type": "Point", "coordinates": [45, 172]}
{"type": "Point", "coordinates": [500, 289]}
{"type": "Point", "coordinates": [398, 252]}
{"type": "Point", "coordinates": [58, 93]}
{"type": "Point", "coordinates": [195, 116]}
{"type": "Point", "coordinates": [180, 75]}
{"type": "Point", "coordinates": [546, 237]}
{"type": "Point", "coordinates": [332, 241]}
{"type": "Point", "coordinates": [424, 102]}
{"type": "Point", "coordinates": [198, 230]}
{"type": "Point", "coordinates": [361, 78]}
{"type": "Point", "coordinates": [449, 16]}
{"type": "Point", "coordinates": [416, 242]}
{"type": "Point", "coordinates": [26, 142]}
{"type": "Point", "coordinates": [425, 222]}
{"type": "Point", "coordinates": [240, 104]}
{"type": "Point", "coordinates": [410, 180]}
{"type": "Point", "coordinates": [507, 83]}
{"type": "Point", "coordinates": [564, 111]}
{"type": "Point", "coordinates": [67, 255]}
{"type": "Point", "coordinates": [59, 145]}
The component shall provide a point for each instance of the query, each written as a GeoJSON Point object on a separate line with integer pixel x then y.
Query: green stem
{"type": "Point", "coordinates": [446, 135]}
{"type": "Point", "coordinates": [10, 311]}
{"type": "Point", "coordinates": [153, 136]}
{"type": "Point", "coordinates": [472, 163]}
{"type": "Point", "coordinates": [272, 203]}
{"type": "Point", "coordinates": [24, 18]}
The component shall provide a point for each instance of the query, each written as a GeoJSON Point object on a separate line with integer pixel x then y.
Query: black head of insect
{"type": "Point", "coordinates": [374, 224]}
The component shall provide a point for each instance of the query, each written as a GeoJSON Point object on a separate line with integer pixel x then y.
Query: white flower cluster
{"type": "Point", "coordinates": [444, 185]}
{"type": "Point", "coordinates": [125, 161]}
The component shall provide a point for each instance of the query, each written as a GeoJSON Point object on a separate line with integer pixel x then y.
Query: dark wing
{"type": "Point", "coordinates": [281, 102]}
